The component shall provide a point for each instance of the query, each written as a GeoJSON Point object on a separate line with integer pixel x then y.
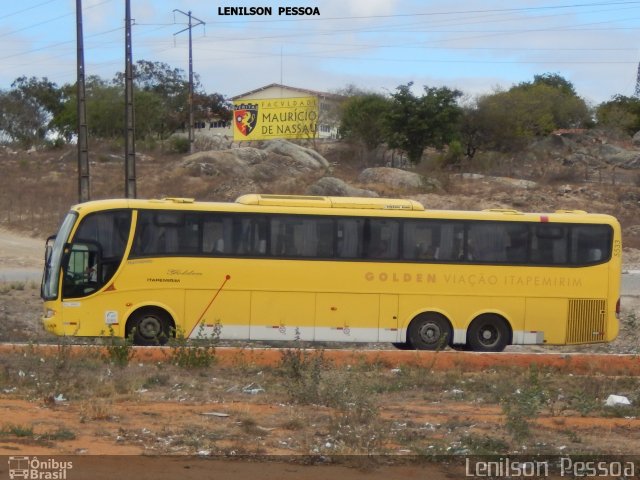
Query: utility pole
{"type": "Point", "coordinates": [84, 190]}
{"type": "Point", "coordinates": [129, 114]}
{"type": "Point", "coordinates": [190, 27]}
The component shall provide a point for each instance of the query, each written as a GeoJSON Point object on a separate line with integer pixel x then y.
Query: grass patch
{"type": "Point", "coordinates": [19, 431]}
{"type": "Point", "coordinates": [119, 351]}
{"type": "Point", "coordinates": [196, 353]}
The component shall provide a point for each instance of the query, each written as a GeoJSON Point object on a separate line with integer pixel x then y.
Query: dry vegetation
{"type": "Point", "coordinates": [305, 405]}
{"type": "Point", "coordinates": [37, 188]}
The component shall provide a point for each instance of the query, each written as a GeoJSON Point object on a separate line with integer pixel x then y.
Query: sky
{"type": "Point", "coordinates": [472, 45]}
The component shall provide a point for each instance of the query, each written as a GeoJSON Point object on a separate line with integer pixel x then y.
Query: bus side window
{"type": "Point", "coordinates": [450, 241]}
{"type": "Point", "coordinates": [487, 242]}
{"type": "Point", "coordinates": [589, 244]}
{"type": "Point", "coordinates": [212, 236]}
{"type": "Point", "coordinates": [324, 232]}
{"type": "Point", "coordinates": [350, 237]}
{"type": "Point", "coordinates": [252, 238]}
{"type": "Point", "coordinates": [518, 241]}
{"type": "Point", "coordinates": [382, 238]}
{"type": "Point", "coordinates": [549, 244]}
{"type": "Point", "coordinates": [244, 236]}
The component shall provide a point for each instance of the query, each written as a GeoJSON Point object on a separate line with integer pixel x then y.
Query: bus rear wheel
{"type": "Point", "coordinates": [488, 333]}
{"type": "Point", "coordinates": [150, 326]}
{"type": "Point", "coordinates": [429, 331]}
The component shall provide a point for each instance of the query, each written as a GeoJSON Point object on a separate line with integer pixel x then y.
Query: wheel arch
{"type": "Point", "coordinates": [134, 310]}
{"type": "Point", "coordinates": [496, 314]}
{"type": "Point", "coordinates": [434, 311]}
{"type": "Point", "coordinates": [415, 314]}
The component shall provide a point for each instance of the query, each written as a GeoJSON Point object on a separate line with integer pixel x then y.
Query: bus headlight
{"type": "Point", "coordinates": [49, 313]}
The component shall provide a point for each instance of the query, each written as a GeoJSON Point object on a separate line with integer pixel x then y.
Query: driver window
{"type": "Point", "coordinates": [96, 252]}
{"type": "Point", "coordinates": [82, 271]}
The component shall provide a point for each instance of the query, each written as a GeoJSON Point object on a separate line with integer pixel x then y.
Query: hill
{"type": "Point", "coordinates": [569, 170]}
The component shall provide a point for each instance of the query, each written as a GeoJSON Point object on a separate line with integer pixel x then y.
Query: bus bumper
{"type": "Point", "coordinates": [52, 321]}
{"type": "Point", "coordinates": [613, 329]}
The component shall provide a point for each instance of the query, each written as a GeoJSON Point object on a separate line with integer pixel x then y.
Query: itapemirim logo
{"type": "Point", "coordinates": [36, 469]}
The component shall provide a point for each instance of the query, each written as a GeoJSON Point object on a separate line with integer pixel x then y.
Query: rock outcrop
{"type": "Point", "coordinates": [332, 186]}
{"type": "Point", "coordinates": [396, 178]}
{"type": "Point", "coordinates": [277, 160]}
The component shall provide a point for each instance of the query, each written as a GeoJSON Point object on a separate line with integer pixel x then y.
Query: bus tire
{"type": "Point", "coordinates": [488, 333]}
{"type": "Point", "coordinates": [429, 331]}
{"type": "Point", "coordinates": [149, 326]}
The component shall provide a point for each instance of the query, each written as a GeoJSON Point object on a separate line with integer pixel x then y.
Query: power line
{"type": "Point", "coordinates": [190, 28]}
{"type": "Point", "coordinates": [19, 12]}
{"type": "Point", "coordinates": [55, 45]}
{"type": "Point", "coordinates": [432, 14]}
{"type": "Point", "coordinates": [50, 20]}
{"type": "Point", "coordinates": [372, 30]}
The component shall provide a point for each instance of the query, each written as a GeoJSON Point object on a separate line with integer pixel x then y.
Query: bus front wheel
{"type": "Point", "coordinates": [429, 331]}
{"type": "Point", "coordinates": [488, 333]}
{"type": "Point", "coordinates": [150, 326]}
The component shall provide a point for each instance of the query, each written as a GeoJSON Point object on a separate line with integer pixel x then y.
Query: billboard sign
{"type": "Point", "coordinates": [265, 119]}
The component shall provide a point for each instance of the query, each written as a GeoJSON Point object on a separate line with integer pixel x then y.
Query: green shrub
{"type": "Point", "coordinates": [119, 350]}
{"type": "Point", "coordinates": [179, 144]}
{"type": "Point", "coordinates": [197, 353]}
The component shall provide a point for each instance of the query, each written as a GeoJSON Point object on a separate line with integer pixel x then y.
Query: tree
{"type": "Point", "coordinates": [29, 108]}
{"type": "Point", "coordinates": [165, 91]}
{"type": "Point", "coordinates": [363, 120]}
{"type": "Point", "coordinates": [21, 121]}
{"type": "Point", "coordinates": [169, 89]}
{"type": "Point", "coordinates": [105, 108]}
{"type": "Point", "coordinates": [621, 113]}
{"type": "Point", "coordinates": [415, 123]}
{"type": "Point", "coordinates": [212, 106]}
{"type": "Point", "coordinates": [556, 81]}
{"type": "Point", "coordinates": [508, 120]}
{"type": "Point", "coordinates": [65, 121]}
{"type": "Point", "coordinates": [160, 104]}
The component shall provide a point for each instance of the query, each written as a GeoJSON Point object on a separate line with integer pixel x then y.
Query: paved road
{"type": "Point", "coordinates": [631, 283]}
{"type": "Point", "coordinates": [20, 274]}
{"type": "Point", "coordinates": [20, 257]}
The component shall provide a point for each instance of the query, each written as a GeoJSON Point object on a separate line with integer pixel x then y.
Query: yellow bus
{"type": "Point", "coordinates": [335, 269]}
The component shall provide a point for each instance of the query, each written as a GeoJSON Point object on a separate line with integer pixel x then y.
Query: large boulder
{"type": "Point", "coordinates": [277, 160]}
{"type": "Point", "coordinates": [206, 142]}
{"type": "Point", "coordinates": [221, 163]}
{"type": "Point", "coordinates": [306, 157]}
{"type": "Point", "coordinates": [332, 186]}
{"type": "Point", "coordinates": [395, 178]}
{"type": "Point", "coordinates": [624, 158]}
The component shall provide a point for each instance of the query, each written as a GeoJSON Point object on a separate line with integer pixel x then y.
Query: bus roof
{"type": "Point", "coordinates": [328, 205]}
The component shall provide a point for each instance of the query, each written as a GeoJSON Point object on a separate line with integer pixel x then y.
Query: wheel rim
{"type": "Point", "coordinates": [150, 327]}
{"type": "Point", "coordinates": [430, 333]}
{"type": "Point", "coordinates": [488, 335]}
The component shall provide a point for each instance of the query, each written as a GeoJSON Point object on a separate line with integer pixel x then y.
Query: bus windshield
{"type": "Point", "coordinates": [51, 277]}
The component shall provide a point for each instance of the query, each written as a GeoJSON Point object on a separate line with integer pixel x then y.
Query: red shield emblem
{"type": "Point", "coordinates": [245, 117]}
